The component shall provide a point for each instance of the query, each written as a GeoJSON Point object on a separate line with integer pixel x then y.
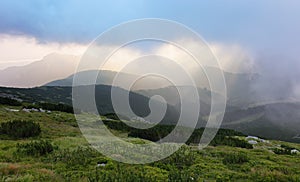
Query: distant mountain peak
{"type": "Point", "coordinates": [52, 67]}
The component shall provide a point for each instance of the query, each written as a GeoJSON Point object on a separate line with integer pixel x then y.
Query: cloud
{"type": "Point", "coordinates": [296, 91]}
{"type": "Point", "coordinates": [122, 58]}
{"type": "Point", "coordinates": [63, 21]}
{"type": "Point", "coordinates": [279, 77]}
{"type": "Point", "coordinates": [278, 74]}
{"type": "Point", "coordinates": [231, 58]}
{"type": "Point", "coordinates": [257, 24]}
{"type": "Point", "coordinates": [21, 50]}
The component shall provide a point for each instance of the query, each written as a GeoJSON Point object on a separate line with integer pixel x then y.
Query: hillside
{"type": "Point", "coordinates": [240, 90]}
{"type": "Point", "coordinates": [72, 159]}
{"type": "Point", "coordinates": [51, 67]}
{"type": "Point", "coordinates": [106, 77]}
{"type": "Point", "coordinates": [275, 121]}
{"type": "Point", "coordinates": [139, 103]}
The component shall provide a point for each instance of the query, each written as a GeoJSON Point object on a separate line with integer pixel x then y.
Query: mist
{"type": "Point", "coordinates": [278, 78]}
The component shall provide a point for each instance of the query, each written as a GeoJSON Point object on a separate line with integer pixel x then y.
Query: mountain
{"type": "Point", "coordinates": [239, 89]}
{"type": "Point", "coordinates": [171, 95]}
{"type": "Point", "coordinates": [51, 67]}
{"type": "Point", "coordinates": [243, 89]}
{"type": "Point", "coordinates": [106, 77]}
{"type": "Point", "coordinates": [85, 78]}
{"type": "Point", "coordinates": [58, 70]}
{"type": "Point", "coordinates": [276, 121]}
{"type": "Point", "coordinates": [139, 103]}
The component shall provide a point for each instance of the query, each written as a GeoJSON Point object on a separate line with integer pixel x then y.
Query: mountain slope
{"type": "Point", "coordinates": [51, 67]}
{"type": "Point", "coordinates": [139, 103]}
{"type": "Point", "coordinates": [274, 121]}
{"type": "Point", "coordinates": [106, 77]}
{"type": "Point", "coordinates": [239, 86]}
{"type": "Point", "coordinates": [277, 121]}
{"type": "Point", "coordinates": [73, 158]}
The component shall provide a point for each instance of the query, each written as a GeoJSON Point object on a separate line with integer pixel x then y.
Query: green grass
{"type": "Point", "coordinates": [75, 160]}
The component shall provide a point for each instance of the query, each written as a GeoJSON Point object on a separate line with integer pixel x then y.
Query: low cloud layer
{"type": "Point", "coordinates": [22, 50]}
{"type": "Point", "coordinates": [279, 77]}
{"type": "Point", "coordinates": [278, 74]}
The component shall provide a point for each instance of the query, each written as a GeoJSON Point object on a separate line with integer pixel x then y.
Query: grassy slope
{"type": "Point", "coordinates": [60, 128]}
{"type": "Point", "coordinates": [277, 121]}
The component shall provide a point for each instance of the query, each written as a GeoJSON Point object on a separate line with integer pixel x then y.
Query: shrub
{"type": "Point", "coordinates": [235, 158]}
{"type": "Point", "coordinates": [9, 101]}
{"type": "Point", "coordinates": [112, 116]}
{"type": "Point", "coordinates": [223, 137]}
{"type": "Point", "coordinates": [181, 175]}
{"type": "Point", "coordinates": [117, 125]}
{"type": "Point", "coordinates": [230, 141]}
{"type": "Point", "coordinates": [36, 148]}
{"type": "Point", "coordinates": [80, 156]}
{"type": "Point", "coordinates": [129, 173]}
{"type": "Point", "coordinates": [53, 107]}
{"type": "Point", "coordinates": [153, 134]}
{"type": "Point", "coordinates": [182, 158]}
{"type": "Point", "coordinates": [282, 151]}
{"type": "Point", "coordinates": [287, 147]}
{"type": "Point", "coordinates": [20, 129]}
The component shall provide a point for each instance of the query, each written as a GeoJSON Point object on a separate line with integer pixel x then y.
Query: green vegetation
{"type": "Point", "coordinates": [284, 150]}
{"type": "Point", "coordinates": [20, 129]}
{"type": "Point", "coordinates": [38, 105]}
{"type": "Point", "coordinates": [52, 107]}
{"type": "Point", "coordinates": [235, 158]}
{"type": "Point", "coordinates": [60, 153]}
{"type": "Point", "coordinates": [9, 101]}
{"type": "Point", "coordinates": [223, 136]}
{"type": "Point", "coordinates": [230, 141]}
{"type": "Point", "coordinates": [115, 116]}
{"type": "Point", "coordinates": [35, 148]}
{"type": "Point", "coordinates": [78, 157]}
{"type": "Point", "coordinates": [264, 121]}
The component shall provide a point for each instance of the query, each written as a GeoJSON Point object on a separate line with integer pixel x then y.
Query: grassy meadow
{"type": "Point", "coordinates": [61, 153]}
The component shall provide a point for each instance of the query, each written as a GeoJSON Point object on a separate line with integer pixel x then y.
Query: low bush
{"type": "Point", "coordinates": [79, 156]}
{"type": "Point", "coordinates": [9, 101]}
{"type": "Point", "coordinates": [129, 173]}
{"type": "Point", "coordinates": [36, 148]}
{"type": "Point", "coordinates": [117, 125]}
{"type": "Point", "coordinates": [184, 157]}
{"type": "Point", "coordinates": [282, 151]}
{"type": "Point", "coordinates": [53, 107]}
{"type": "Point", "coordinates": [235, 158]}
{"type": "Point", "coordinates": [20, 129]}
{"type": "Point", "coordinates": [287, 147]}
{"type": "Point", "coordinates": [230, 141]}
{"type": "Point", "coordinates": [223, 137]}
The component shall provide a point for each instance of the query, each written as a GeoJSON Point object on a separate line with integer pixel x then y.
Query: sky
{"type": "Point", "coordinates": [237, 30]}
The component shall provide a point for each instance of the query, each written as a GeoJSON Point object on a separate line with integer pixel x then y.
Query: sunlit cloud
{"type": "Point", "coordinates": [231, 58]}
{"type": "Point", "coordinates": [21, 50]}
